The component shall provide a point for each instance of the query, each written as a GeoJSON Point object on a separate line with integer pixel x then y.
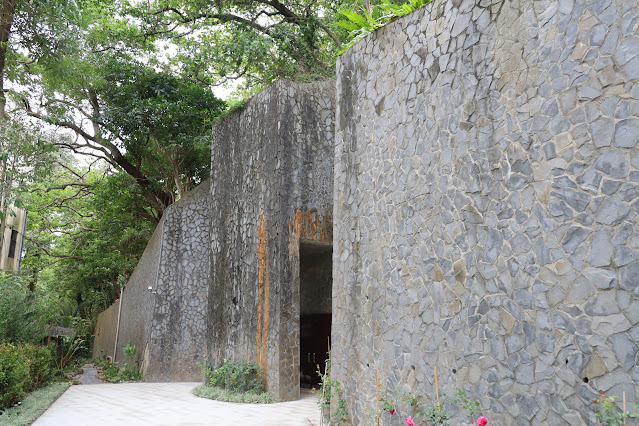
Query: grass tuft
{"type": "Point", "coordinates": [33, 405]}
{"type": "Point", "coordinates": [220, 394]}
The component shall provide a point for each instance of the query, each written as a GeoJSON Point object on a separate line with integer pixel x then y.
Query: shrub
{"type": "Point", "coordinates": [236, 376]}
{"type": "Point", "coordinates": [14, 375]}
{"type": "Point", "coordinates": [41, 365]}
{"type": "Point", "coordinates": [219, 394]}
{"type": "Point", "coordinates": [23, 368]}
{"type": "Point", "coordinates": [23, 313]}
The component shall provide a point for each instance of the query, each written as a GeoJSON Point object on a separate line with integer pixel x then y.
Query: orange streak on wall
{"type": "Point", "coordinates": [263, 307]}
{"type": "Point", "coordinates": [307, 226]}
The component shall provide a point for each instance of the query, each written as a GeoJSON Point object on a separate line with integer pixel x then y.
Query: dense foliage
{"type": "Point", "coordinates": [236, 376]}
{"type": "Point", "coordinates": [23, 368]}
{"type": "Point", "coordinates": [24, 314]}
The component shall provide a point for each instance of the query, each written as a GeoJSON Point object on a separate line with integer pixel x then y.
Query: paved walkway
{"type": "Point", "coordinates": [89, 375]}
{"type": "Point", "coordinates": [169, 404]}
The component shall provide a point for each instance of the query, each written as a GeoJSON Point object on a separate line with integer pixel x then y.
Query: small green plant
{"type": "Point", "coordinates": [435, 413]}
{"type": "Point", "coordinates": [610, 414]}
{"type": "Point", "coordinates": [71, 345]}
{"type": "Point", "coordinates": [461, 399]}
{"type": "Point", "coordinates": [129, 350]}
{"type": "Point", "coordinates": [114, 373]}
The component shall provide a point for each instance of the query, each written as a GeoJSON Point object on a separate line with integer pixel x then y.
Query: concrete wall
{"type": "Point", "coordinates": [136, 311]}
{"type": "Point", "coordinates": [271, 179]}
{"type": "Point", "coordinates": [104, 333]}
{"type": "Point", "coordinates": [486, 200]}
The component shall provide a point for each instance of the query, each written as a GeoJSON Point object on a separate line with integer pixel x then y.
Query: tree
{"type": "Point", "coordinates": [256, 40]}
{"type": "Point", "coordinates": [147, 123]}
{"type": "Point", "coordinates": [87, 229]}
{"type": "Point", "coordinates": [31, 31]}
{"type": "Point", "coordinates": [24, 152]}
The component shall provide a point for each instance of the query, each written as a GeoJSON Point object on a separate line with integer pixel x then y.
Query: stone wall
{"type": "Point", "coordinates": [177, 340]}
{"type": "Point", "coordinates": [486, 200]}
{"type": "Point", "coordinates": [271, 170]}
{"type": "Point", "coordinates": [167, 324]}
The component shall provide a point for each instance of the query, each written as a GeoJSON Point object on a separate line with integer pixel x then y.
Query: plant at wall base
{"type": "Point", "coordinates": [129, 351]}
{"type": "Point", "coordinates": [328, 389]}
{"type": "Point", "coordinates": [236, 376]}
{"type": "Point", "coordinates": [436, 412]}
{"type": "Point", "coordinates": [360, 25]}
{"type": "Point", "coordinates": [610, 414]}
{"type": "Point", "coordinates": [233, 381]}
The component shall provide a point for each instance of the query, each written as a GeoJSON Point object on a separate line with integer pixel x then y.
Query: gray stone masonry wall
{"type": "Point", "coordinates": [168, 324]}
{"type": "Point", "coordinates": [178, 332]}
{"type": "Point", "coordinates": [271, 170]}
{"type": "Point", "coordinates": [486, 208]}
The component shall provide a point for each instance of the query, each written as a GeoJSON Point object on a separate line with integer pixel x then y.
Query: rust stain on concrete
{"type": "Point", "coordinates": [308, 226]}
{"type": "Point", "coordinates": [263, 307]}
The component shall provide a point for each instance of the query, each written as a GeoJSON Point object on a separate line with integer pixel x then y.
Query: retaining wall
{"type": "Point", "coordinates": [486, 200]}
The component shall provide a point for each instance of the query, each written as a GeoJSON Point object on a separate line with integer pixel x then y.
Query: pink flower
{"type": "Point", "coordinates": [392, 411]}
{"type": "Point", "coordinates": [341, 394]}
{"type": "Point", "coordinates": [409, 421]}
{"type": "Point", "coordinates": [217, 355]}
{"type": "Point", "coordinates": [482, 421]}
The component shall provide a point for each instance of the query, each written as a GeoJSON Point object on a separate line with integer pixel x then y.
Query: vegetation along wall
{"type": "Point", "coordinates": [486, 208]}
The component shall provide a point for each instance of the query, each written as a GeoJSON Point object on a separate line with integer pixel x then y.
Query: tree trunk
{"type": "Point", "coordinates": [4, 189]}
{"type": "Point", "coordinates": [6, 21]}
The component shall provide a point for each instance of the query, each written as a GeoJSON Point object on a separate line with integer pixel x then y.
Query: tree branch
{"type": "Point", "coordinates": [48, 253]}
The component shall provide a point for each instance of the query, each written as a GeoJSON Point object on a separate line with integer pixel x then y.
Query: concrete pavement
{"type": "Point", "coordinates": [169, 404]}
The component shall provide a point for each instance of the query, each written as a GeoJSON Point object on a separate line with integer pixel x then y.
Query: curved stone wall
{"type": "Point", "coordinates": [485, 214]}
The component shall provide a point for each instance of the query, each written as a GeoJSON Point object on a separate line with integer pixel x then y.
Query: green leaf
{"type": "Point", "coordinates": [355, 18]}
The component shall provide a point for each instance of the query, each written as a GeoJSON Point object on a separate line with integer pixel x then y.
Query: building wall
{"type": "Point", "coordinates": [271, 179]}
{"type": "Point", "coordinates": [17, 223]}
{"type": "Point", "coordinates": [486, 200]}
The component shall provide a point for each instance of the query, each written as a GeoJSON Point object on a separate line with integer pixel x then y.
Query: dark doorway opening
{"type": "Point", "coordinates": [316, 293]}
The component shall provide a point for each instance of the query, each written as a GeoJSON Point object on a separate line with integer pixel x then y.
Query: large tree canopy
{"type": "Point", "coordinates": [153, 126]}
{"type": "Point", "coordinates": [258, 41]}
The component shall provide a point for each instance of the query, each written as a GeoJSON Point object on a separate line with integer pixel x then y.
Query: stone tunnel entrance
{"type": "Point", "coordinates": [316, 288]}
